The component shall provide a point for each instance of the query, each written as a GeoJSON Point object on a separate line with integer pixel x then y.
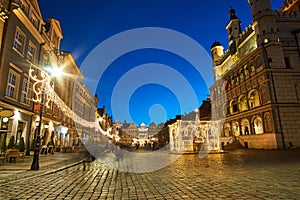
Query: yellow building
{"type": "Point", "coordinates": [256, 92]}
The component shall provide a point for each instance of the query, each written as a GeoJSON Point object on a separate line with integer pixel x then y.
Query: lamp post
{"type": "Point", "coordinates": [35, 161]}
{"type": "Point", "coordinates": [42, 92]}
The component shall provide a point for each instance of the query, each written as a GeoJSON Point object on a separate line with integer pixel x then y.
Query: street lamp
{"type": "Point", "coordinates": [43, 90]}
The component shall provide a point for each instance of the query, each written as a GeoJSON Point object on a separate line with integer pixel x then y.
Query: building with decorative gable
{"type": "Point", "coordinates": [256, 90]}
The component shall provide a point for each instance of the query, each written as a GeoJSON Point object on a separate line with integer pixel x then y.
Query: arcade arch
{"type": "Point", "coordinates": [253, 98]}
{"type": "Point", "coordinates": [257, 125]}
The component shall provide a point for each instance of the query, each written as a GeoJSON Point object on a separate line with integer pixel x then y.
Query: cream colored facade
{"type": "Point", "coordinates": [256, 90]}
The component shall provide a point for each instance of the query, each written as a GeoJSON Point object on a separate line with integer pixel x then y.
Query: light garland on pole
{"type": "Point", "coordinates": [43, 86]}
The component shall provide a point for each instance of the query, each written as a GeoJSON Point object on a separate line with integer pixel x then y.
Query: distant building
{"type": "Point", "coordinates": [256, 90]}
{"type": "Point", "coordinates": [188, 132]}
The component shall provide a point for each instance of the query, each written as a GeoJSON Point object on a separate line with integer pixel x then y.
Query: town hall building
{"type": "Point", "coordinates": [256, 92]}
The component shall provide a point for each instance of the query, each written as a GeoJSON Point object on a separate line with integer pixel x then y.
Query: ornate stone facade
{"type": "Point", "coordinates": [256, 90]}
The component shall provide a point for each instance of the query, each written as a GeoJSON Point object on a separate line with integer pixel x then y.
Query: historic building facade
{"type": "Point", "coordinates": [188, 133]}
{"type": "Point", "coordinates": [256, 92]}
{"type": "Point", "coordinates": [28, 43]}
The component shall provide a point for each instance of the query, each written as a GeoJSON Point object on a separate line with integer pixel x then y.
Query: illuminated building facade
{"type": "Point", "coordinates": [256, 90]}
{"type": "Point", "coordinates": [28, 42]}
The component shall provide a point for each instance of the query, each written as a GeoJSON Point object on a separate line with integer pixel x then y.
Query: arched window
{"type": "Point", "coordinates": [233, 107]}
{"type": "Point", "coordinates": [257, 125]}
{"type": "Point", "coordinates": [264, 94]}
{"type": "Point", "coordinates": [252, 67]}
{"type": "Point", "coordinates": [235, 128]}
{"type": "Point", "coordinates": [232, 80]}
{"type": "Point", "coordinates": [268, 122]}
{"type": "Point", "coordinates": [245, 127]}
{"type": "Point", "coordinates": [259, 61]}
{"type": "Point", "coordinates": [253, 99]}
{"type": "Point", "coordinates": [226, 129]}
{"type": "Point", "coordinates": [241, 73]}
{"type": "Point", "coordinates": [246, 70]}
{"type": "Point", "coordinates": [243, 103]}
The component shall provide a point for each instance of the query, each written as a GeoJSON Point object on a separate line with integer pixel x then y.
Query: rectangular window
{"type": "Point", "coordinates": [24, 96]}
{"type": "Point", "coordinates": [12, 84]}
{"type": "Point", "coordinates": [31, 52]}
{"type": "Point", "coordinates": [23, 6]}
{"type": "Point", "coordinates": [34, 20]}
{"type": "Point", "coordinates": [19, 41]}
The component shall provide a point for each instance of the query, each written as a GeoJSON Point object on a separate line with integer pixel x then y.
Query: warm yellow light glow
{"type": "Point", "coordinates": [57, 72]}
{"type": "Point", "coordinates": [100, 119]}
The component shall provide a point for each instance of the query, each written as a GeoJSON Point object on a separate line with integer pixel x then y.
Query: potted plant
{"type": "Point", "coordinates": [21, 145]}
{"type": "Point", "coordinates": [11, 143]}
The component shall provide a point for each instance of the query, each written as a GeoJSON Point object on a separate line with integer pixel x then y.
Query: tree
{"type": "Point", "coordinates": [21, 145]}
{"type": "Point", "coordinates": [11, 143]}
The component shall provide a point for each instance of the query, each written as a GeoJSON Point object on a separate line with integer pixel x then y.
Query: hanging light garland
{"type": "Point", "coordinates": [42, 86]}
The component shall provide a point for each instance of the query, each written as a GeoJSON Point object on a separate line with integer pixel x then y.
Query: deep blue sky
{"type": "Point", "coordinates": [85, 24]}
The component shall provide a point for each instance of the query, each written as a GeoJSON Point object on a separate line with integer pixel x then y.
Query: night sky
{"type": "Point", "coordinates": [88, 24]}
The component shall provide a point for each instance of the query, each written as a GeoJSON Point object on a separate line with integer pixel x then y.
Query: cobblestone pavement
{"type": "Point", "coordinates": [48, 163]}
{"type": "Point", "coordinates": [242, 174]}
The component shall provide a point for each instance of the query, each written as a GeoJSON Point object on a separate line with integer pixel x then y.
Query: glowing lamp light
{"type": "Point", "coordinates": [37, 122]}
{"type": "Point", "coordinates": [63, 129]}
{"type": "Point", "coordinates": [5, 119]}
{"type": "Point", "coordinates": [100, 119]}
{"type": "Point", "coordinates": [57, 71]}
{"type": "Point", "coordinates": [54, 71]}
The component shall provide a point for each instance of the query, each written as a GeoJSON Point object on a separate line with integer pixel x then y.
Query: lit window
{"type": "Point", "coordinates": [24, 92]}
{"type": "Point", "coordinates": [233, 107]}
{"type": "Point", "coordinates": [253, 99]}
{"type": "Point", "coordinates": [31, 52]}
{"type": "Point", "coordinates": [12, 85]}
{"type": "Point", "coordinates": [19, 41]}
{"type": "Point", "coordinates": [243, 103]}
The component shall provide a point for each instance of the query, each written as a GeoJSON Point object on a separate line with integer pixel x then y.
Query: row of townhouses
{"type": "Point", "coordinates": [31, 98]}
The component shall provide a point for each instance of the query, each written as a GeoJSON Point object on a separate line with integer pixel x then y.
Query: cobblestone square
{"type": "Point", "coordinates": [239, 174]}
